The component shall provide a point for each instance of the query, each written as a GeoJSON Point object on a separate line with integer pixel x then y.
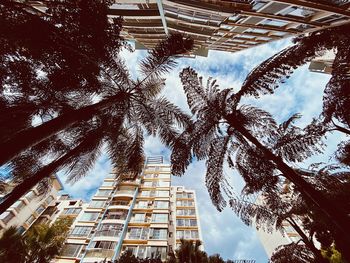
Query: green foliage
{"type": "Point", "coordinates": [40, 244]}
{"type": "Point", "coordinates": [333, 255]}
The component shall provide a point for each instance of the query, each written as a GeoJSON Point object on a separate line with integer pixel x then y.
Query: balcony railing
{"type": "Point", "coordinates": [99, 253]}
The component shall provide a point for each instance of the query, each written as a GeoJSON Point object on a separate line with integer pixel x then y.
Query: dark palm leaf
{"type": "Point", "coordinates": [214, 176]}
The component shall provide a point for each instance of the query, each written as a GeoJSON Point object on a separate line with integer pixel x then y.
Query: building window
{"type": "Point", "coordinates": [81, 231]}
{"type": "Point", "coordinates": [121, 215]}
{"type": "Point", "coordinates": [30, 195]}
{"type": "Point", "coordinates": [138, 233]}
{"type": "Point", "coordinates": [160, 218]}
{"type": "Point", "coordinates": [186, 222]}
{"type": "Point", "coordinates": [96, 203]}
{"type": "Point", "coordinates": [6, 216]}
{"type": "Point", "coordinates": [40, 209]}
{"type": "Point", "coordinates": [103, 192]}
{"type": "Point", "coordinates": [71, 211]}
{"type": "Point", "coordinates": [164, 176]}
{"type": "Point", "coordinates": [18, 205]}
{"type": "Point", "coordinates": [159, 233]}
{"type": "Point", "coordinates": [161, 204]}
{"type": "Point", "coordinates": [49, 199]}
{"type": "Point", "coordinates": [145, 193]}
{"type": "Point", "coordinates": [185, 212]}
{"type": "Point", "coordinates": [138, 218]}
{"type": "Point", "coordinates": [30, 220]}
{"type": "Point", "coordinates": [142, 204]}
{"type": "Point", "coordinates": [187, 234]}
{"type": "Point", "coordinates": [104, 244]}
{"type": "Point", "coordinates": [156, 252]}
{"type": "Point", "coordinates": [110, 230]}
{"type": "Point", "coordinates": [89, 216]}
{"type": "Point", "coordinates": [108, 183]}
{"type": "Point", "coordinates": [71, 250]}
{"type": "Point", "coordinates": [163, 194]}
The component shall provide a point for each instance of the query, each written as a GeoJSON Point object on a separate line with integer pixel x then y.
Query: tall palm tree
{"type": "Point", "coordinates": [120, 119]}
{"type": "Point", "coordinates": [222, 125]}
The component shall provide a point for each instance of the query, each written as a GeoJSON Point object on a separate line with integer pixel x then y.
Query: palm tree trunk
{"type": "Point", "coordinates": [307, 242]}
{"type": "Point", "coordinates": [337, 218]}
{"type": "Point", "coordinates": [46, 171]}
{"type": "Point", "coordinates": [32, 136]}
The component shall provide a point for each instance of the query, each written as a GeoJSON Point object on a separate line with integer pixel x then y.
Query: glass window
{"type": "Point", "coordinates": [138, 218]}
{"type": "Point", "coordinates": [194, 234]}
{"type": "Point", "coordinates": [164, 183]}
{"type": "Point", "coordinates": [159, 233]}
{"type": "Point", "coordinates": [72, 211]}
{"type": "Point", "coordinates": [145, 193]}
{"type": "Point", "coordinates": [163, 194]}
{"type": "Point", "coordinates": [30, 220]}
{"type": "Point", "coordinates": [108, 183]}
{"type": "Point", "coordinates": [142, 204]}
{"type": "Point", "coordinates": [164, 176]}
{"type": "Point", "coordinates": [132, 249]}
{"type": "Point", "coordinates": [103, 192]}
{"type": "Point", "coordinates": [180, 222]}
{"type": "Point", "coordinates": [19, 205]}
{"type": "Point", "coordinates": [156, 252]}
{"type": "Point", "coordinates": [149, 184]}
{"type": "Point", "coordinates": [161, 204]}
{"type": "Point", "coordinates": [121, 215]}
{"type": "Point", "coordinates": [104, 244]}
{"type": "Point", "coordinates": [180, 234]}
{"type": "Point", "coordinates": [141, 252]}
{"type": "Point", "coordinates": [160, 218]}
{"type": "Point", "coordinates": [49, 199]}
{"type": "Point", "coordinates": [6, 216]}
{"type": "Point", "coordinates": [193, 222]}
{"type": "Point", "coordinates": [96, 203]}
{"type": "Point", "coordinates": [138, 233]}
{"type": "Point", "coordinates": [89, 216]}
{"type": "Point", "coordinates": [81, 231]}
{"type": "Point", "coordinates": [71, 250]}
{"type": "Point", "coordinates": [30, 195]}
{"type": "Point", "coordinates": [40, 209]}
{"type": "Point", "coordinates": [110, 230]}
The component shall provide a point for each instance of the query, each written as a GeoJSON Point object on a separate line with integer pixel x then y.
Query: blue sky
{"type": "Point", "coordinates": [223, 232]}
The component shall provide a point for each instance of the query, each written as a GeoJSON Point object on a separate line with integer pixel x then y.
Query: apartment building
{"type": "Point", "coordinates": [221, 24]}
{"type": "Point", "coordinates": [31, 207]}
{"type": "Point", "coordinates": [145, 215]}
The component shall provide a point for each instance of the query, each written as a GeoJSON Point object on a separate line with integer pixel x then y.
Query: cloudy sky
{"type": "Point", "coordinates": [223, 232]}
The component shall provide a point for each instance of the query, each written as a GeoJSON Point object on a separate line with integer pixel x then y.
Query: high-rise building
{"type": "Point", "coordinates": [146, 215]}
{"type": "Point", "coordinates": [30, 207]}
{"type": "Point", "coordinates": [221, 24]}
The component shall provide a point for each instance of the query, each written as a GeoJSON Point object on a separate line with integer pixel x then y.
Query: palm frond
{"type": "Point", "coordinates": [161, 59]}
{"type": "Point", "coordinates": [194, 90]}
{"type": "Point", "coordinates": [82, 162]}
{"type": "Point", "coordinates": [285, 125]}
{"type": "Point", "coordinates": [265, 78]}
{"type": "Point", "coordinates": [214, 175]}
{"type": "Point", "coordinates": [297, 145]}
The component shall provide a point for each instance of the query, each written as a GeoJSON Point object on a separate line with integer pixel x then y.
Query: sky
{"type": "Point", "coordinates": [223, 232]}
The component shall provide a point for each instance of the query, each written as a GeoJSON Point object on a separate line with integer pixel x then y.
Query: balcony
{"type": "Point", "coordinates": [129, 193]}
{"type": "Point", "coordinates": [99, 253]}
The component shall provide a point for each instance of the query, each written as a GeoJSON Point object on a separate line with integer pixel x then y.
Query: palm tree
{"type": "Point", "coordinates": [222, 127]}
{"type": "Point", "coordinates": [39, 244]}
{"type": "Point", "coordinates": [44, 242]}
{"type": "Point", "coordinates": [119, 120]}
{"type": "Point", "coordinates": [45, 69]}
{"type": "Point", "coordinates": [11, 246]}
{"type": "Point", "coordinates": [190, 252]}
